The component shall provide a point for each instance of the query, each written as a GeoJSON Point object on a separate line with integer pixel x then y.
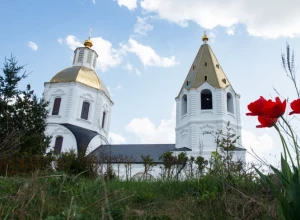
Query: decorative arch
{"type": "Point", "coordinates": [80, 56]}
{"type": "Point", "coordinates": [58, 144]}
{"type": "Point", "coordinates": [56, 106]}
{"type": "Point", "coordinates": [141, 176]}
{"type": "Point", "coordinates": [184, 105]}
{"type": "Point", "coordinates": [85, 110]}
{"type": "Point", "coordinates": [206, 99]}
{"type": "Point", "coordinates": [230, 107]}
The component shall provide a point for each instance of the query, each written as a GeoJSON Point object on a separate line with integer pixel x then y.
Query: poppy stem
{"type": "Point", "coordinates": [285, 148]}
{"type": "Point", "coordinates": [293, 137]}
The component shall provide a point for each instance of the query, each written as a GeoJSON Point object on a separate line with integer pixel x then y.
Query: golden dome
{"type": "Point", "coordinates": [88, 43]}
{"type": "Point", "coordinates": [82, 75]}
{"type": "Point", "coordinates": [205, 37]}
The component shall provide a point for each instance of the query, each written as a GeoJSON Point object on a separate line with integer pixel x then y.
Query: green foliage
{"type": "Point", "coordinates": [151, 217]}
{"type": "Point", "coordinates": [74, 164]}
{"type": "Point", "coordinates": [19, 164]}
{"type": "Point", "coordinates": [58, 196]}
{"type": "Point", "coordinates": [144, 197]}
{"type": "Point", "coordinates": [22, 114]}
{"type": "Point", "coordinates": [288, 201]}
{"type": "Point", "coordinates": [172, 164]}
{"type": "Point", "coordinates": [221, 162]}
{"type": "Point", "coordinates": [117, 213]}
{"type": "Point", "coordinates": [201, 163]}
{"type": "Point", "coordinates": [148, 164]}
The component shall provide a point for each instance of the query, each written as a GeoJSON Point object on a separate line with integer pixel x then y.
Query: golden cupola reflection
{"type": "Point", "coordinates": [205, 37]}
{"type": "Point", "coordinates": [82, 75]}
{"type": "Point", "coordinates": [88, 43]}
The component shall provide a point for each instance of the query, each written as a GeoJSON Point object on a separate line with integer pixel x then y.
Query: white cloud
{"type": "Point", "coordinates": [72, 42]}
{"type": "Point", "coordinates": [117, 138]}
{"type": "Point", "coordinates": [119, 87]}
{"type": "Point", "coordinates": [129, 67]}
{"type": "Point", "coordinates": [142, 27]}
{"type": "Point", "coordinates": [149, 133]}
{"type": "Point", "coordinates": [33, 46]}
{"type": "Point", "coordinates": [262, 145]}
{"type": "Point", "coordinates": [147, 55]}
{"type": "Point", "coordinates": [108, 56]}
{"type": "Point", "coordinates": [230, 30]}
{"type": "Point", "coordinates": [60, 40]}
{"type": "Point", "coordinates": [130, 4]}
{"type": "Point", "coordinates": [268, 19]}
{"type": "Point", "coordinates": [137, 72]}
{"type": "Point", "coordinates": [212, 35]}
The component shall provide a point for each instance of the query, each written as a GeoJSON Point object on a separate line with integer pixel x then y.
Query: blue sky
{"type": "Point", "coordinates": [146, 48]}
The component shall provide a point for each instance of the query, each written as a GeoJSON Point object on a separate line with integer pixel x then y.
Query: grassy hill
{"type": "Point", "coordinates": [59, 196]}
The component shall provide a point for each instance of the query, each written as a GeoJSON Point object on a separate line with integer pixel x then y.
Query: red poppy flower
{"type": "Point", "coordinates": [256, 107]}
{"type": "Point", "coordinates": [295, 105]}
{"type": "Point", "coordinates": [266, 122]}
{"type": "Point", "coordinates": [274, 109]}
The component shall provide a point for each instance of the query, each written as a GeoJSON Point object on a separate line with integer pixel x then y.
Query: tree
{"type": "Point", "coordinates": [22, 113]}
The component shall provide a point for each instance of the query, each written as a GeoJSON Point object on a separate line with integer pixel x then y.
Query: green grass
{"type": "Point", "coordinates": [57, 196]}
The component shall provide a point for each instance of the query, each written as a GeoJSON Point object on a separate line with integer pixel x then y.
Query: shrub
{"type": "Point", "coordinates": [11, 165]}
{"type": "Point", "coordinates": [74, 164]}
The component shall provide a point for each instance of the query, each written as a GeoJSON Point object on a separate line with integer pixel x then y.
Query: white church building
{"type": "Point", "coordinates": [80, 111]}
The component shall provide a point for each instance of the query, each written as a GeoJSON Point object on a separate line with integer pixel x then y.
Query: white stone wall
{"type": "Point", "coordinates": [192, 128]}
{"type": "Point", "coordinates": [87, 53]}
{"type": "Point", "coordinates": [136, 170]}
{"type": "Point", "coordinates": [69, 141]}
{"type": "Point", "coordinates": [72, 96]}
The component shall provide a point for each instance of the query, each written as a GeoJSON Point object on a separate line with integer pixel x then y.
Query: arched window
{"type": "Point", "coordinates": [183, 105]}
{"type": "Point", "coordinates": [80, 57]}
{"type": "Point", "coordinates": [85, 110]}
{"type": "Point", "coordinates": [89, 57]}
{"type": "Point", "coordinates": [58, 144]}
{"type": "Point", "coordinates": [206, 99]}
{"type": "Point", "coordinates": [56, 106]}
{"type": "Point", "coordinates": [230, 103]}
{"type": "Point", "coordinates": [103, 119]}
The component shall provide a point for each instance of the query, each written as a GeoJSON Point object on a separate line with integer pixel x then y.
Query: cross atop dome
{"type": "Point", "coordinates": [205, 37]}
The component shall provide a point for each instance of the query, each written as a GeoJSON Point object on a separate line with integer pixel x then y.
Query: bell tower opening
{"type": "Point", "coordinates": [183, 105]}
{"type": "Point", "coordinates": [230, 103]}
{"type": "Point", "coordinates": [206, 99]}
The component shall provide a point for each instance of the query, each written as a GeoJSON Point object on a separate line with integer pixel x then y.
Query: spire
{"type": "Point", "coordinates": [205, 69]}
{"type": "Point", "coordinates": [205, 37]}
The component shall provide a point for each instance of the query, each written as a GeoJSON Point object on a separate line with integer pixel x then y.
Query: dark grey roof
{"type": "Point", "coordinates": [239, 149]}
{"type": "Point", "coordinates": [124, 152]}
{"type": "Point", "coordinates": [83, 136]}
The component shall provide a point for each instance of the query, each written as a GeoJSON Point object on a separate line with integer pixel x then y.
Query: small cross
{"type": "Point", "coordinates": [91, 32]}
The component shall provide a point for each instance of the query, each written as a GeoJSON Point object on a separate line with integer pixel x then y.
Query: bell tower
{"type": "Point", "coordinates": [205, 104]}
